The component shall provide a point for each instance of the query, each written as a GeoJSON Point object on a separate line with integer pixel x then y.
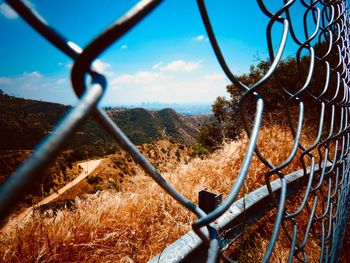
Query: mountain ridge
{"type": "Point", "coordinates": [24, 122]}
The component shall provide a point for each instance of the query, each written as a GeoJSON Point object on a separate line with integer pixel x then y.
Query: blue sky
{"type": "Point", "coordinates": [165, 58]}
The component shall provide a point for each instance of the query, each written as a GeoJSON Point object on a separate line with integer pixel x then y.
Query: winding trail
{"type": "Point", "coordinates": [88, 168]}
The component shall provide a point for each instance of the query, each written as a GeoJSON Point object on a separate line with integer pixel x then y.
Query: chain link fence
{"type": "Point", "coordinates": [323, 182]}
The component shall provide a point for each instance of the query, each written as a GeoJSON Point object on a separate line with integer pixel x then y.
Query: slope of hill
{"type": "Point", "coordinates": [118, 169]}
{"type": "Point", "coordinates": [143, 125]}
{"type": "Point", "coordinates": [24, 122]}
{"type": "Point", "coordinates": [111, 226]}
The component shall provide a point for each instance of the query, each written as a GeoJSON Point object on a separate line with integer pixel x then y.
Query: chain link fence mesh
{"type": "Point", "coordinates": [321, 86]}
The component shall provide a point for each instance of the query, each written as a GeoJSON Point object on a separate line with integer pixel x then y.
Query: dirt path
{"type": "Point", "coordinates": [87, 166]}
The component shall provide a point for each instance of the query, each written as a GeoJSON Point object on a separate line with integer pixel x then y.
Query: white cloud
{"type": "Point", "coordinates": [99, 65]}
{"type": "Point", "coordinates": [157, 66]}
{"type": "Point", "coordinates": [166, 86]}
{"type": "Point", "coordinates": [30, 81]}
{"type": "Point", "coordinates": [180, 66]}
{"type": "Point", "coordinates": [32, 75]}
{"type": "Point", "coordinates": [4, 80]}
{"type": "Point", "coordinates": [102, 67]}
{"type": "Point", "coordinates": [139, 78]}
{"type": "Point", "coordinates": [61, 81]}
{"type": "Point", "coordinates": [200, 38]}
{"type": "Point", "coordinates": [182, 90]}
{"type": "Point", "coordinates": [124, 46]}
{"type": "Point", "coordinates": [7, 11]}
{"type": "Point", "coordinates": [37, 86]}
{"type": "Point", "coordinates": [215, 76]}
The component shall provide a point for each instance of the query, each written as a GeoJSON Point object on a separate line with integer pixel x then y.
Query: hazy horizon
{"type": "Point", "coordinates": [182, 108]}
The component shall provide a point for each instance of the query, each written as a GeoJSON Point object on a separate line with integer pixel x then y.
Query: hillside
{"type": "Point", "coordinates": [116, 170]}
{"type": "Point", "coordinates": [142, 125]}
{"type": "Point", "coordinates": [136, 220]}
{"type": "Point", "coordinates": [23, 123]}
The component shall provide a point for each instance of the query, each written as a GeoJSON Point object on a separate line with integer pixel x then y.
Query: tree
{"type": "Point", "coordinates": [277, 92]}
{"type": "Point", "coordinates": [210, 136]}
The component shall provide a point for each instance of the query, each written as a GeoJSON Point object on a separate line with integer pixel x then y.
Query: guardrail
{"type": "Point", "coordinates": [242, 213]}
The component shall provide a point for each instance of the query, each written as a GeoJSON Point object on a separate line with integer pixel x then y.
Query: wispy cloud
{"type": "Point", "coordinates": [157, 66]}
{"type": "Point", "coordinates": [180, 66]}
{"type": "Point", "coordinates": [200, 38]}
{"type": "Point", "coordinates": [124, 46]}
{"type": "Point", "coordinates": [32, 75]}
{"type": "Point", "coordinates": [164, 82]}
{"type": "Point", "coordinates": [61, 81]}
{"type": "Point", "coordinates": [4, 80]}
{"type": "Point", "coordinates": [158, 84]}
{"type": "Point", "coordinates": [35, 85]}
{"type": "Point", "coordinates": [103, 67]}
{"type": "Point", "coordinates": [99, 65]}
{"type": "Point", "coordinates": [215, 76]}
{"type": "Point", "coordinates": [139, 78]}
{"type": "Point", "coordinates": [27, 82]}
{"type": "Point", "coordinates": [7, 11]}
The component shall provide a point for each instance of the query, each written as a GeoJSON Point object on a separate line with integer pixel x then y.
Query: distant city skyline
{"type": "Point", "coordinates": [165, 58]}
{"type": "Point", "coordinates": [182, 108]}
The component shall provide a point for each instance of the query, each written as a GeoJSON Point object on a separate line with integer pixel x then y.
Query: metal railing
{"type": "Point", "coordinates": [231, 225]}
{"type": "Point", "coordinates": [325, 183]}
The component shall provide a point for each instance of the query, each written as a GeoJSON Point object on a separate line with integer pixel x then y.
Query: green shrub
{"type": "Point", "coordinates": [199, 150]}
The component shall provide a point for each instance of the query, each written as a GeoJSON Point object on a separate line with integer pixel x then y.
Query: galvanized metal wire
{"type": "Point", "coordinates": [327, 179]}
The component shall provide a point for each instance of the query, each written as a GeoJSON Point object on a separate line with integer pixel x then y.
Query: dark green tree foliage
{"type": "Point", "coordinates": [23, 123]}
{"type": "Point", "coordinates": [144, 126]}
{"type": "Point", "coordinates": [199, 150]}
{"type": "Point", "coordinates": [210, 136]}
{"type": "Point", "coordinates": [277, 92]}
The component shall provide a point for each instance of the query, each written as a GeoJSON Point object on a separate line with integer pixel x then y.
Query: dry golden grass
{"type": "Point", "coordinates": [141, 220]}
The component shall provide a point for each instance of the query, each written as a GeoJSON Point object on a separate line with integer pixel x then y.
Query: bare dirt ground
{"type": "Point", "coordinates": [88, 168]}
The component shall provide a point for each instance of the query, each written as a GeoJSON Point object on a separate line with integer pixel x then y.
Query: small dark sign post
{"type": "Point", "coordinates": [208, 201]}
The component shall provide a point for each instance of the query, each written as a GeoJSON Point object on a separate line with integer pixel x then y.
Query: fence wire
{"type": "Point", "coordinates": [327, 173]}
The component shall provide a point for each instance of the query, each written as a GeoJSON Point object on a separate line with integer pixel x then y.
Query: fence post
{"type": "Point", "coordinates": [208, 201]}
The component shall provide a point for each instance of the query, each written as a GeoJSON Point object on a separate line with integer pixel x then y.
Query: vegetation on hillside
{"type": "Point", "coordinates": [144, 126]}
{"type": "Point", "coordinates": [119, 168]}
{"type": "Point", "coordinates": [24, 122]}
{"type": "Point", "coordinates": [288, 79]}
{"type": "Point", "coordinates": [57, 175]}
{"type": "Point", "coordinates": [138, 221]}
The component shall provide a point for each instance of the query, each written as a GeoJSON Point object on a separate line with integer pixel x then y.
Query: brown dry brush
{"type": "Point", "coordinates": [140, 220]}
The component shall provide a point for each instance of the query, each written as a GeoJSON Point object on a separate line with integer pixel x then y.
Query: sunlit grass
{"type": "Point", "coordinates": [140, 220]}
